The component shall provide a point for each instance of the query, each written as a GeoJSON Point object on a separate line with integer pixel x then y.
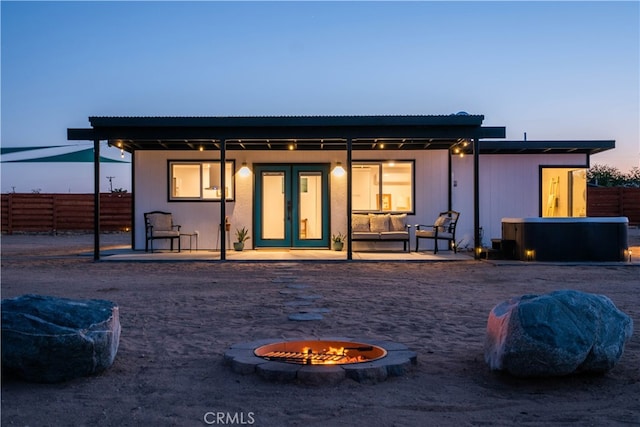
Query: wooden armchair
{"type": "Point", "coordinates": [159, 225]}
{"type": "Point", "coordinates": [444, 228]}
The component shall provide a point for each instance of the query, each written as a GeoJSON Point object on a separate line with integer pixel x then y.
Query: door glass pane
{"type": "Point", "coordinates": [310, 205]}
{"type": "Point", "coordinates": [579, 192]}
{"type": "Point", "coordinates": [273, 205]}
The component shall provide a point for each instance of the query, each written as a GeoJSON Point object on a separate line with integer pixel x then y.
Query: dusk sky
{"type": "Point", "coordinates": [555, 70]}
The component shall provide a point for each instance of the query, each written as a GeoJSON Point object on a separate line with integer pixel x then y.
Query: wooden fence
{"type": "Point", "coordinates": [51, 213]}
{"type": "Point", "coordinates": [74, 212]}
{"type": "Point", "coordinates": [614, 201]}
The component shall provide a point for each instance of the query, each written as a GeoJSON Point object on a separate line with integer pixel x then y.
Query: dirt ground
{"type": "Point", "coordinates": [179, 318]}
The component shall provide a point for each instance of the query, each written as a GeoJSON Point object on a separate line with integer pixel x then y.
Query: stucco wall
{"type": "Point", "coordinates": [151, 189]}
{"type": "Point", "coordinates": [509, 187]}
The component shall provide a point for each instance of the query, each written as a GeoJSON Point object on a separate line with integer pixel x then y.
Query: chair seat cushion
{"type": "Point", "coordinates": [432, 234]}
{"type": "Point", "coordinates": [157, 234]}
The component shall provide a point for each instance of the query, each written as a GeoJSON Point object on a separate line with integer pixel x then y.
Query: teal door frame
{"type": "Point", "coordinates": [292, 206]}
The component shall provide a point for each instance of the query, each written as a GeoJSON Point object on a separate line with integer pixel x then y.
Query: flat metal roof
{"type": "Point", "coordinates": [546, 147]}
{"type": "Point", "coordinates": [286, 132]}
{"type": "Point", "coordinates": [392, 132]}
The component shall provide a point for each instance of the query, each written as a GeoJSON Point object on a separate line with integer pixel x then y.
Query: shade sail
{"type": "Point", "coordinates": [82, 156]}
{"type": "Point", "coordinates": [10, 150]}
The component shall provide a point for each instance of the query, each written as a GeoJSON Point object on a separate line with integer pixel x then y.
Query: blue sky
{"type": "Point", "coordinates": [555, 70]}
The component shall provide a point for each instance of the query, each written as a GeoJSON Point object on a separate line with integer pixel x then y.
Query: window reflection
{"type": "Point", "coordinates": [383, 186]}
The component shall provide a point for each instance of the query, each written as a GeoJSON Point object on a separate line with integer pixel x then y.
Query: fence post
{"type": "Point", "coordinates": [54, 209]}
{"type": "Point", "coordinates": [10, 214]}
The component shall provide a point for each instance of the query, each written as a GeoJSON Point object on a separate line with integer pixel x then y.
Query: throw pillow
{"type": "Point", "coordinates": [398, 222]}
{"type": "Point", "coordinates": [442, 223]}
{"type": "Point", "coordinates": [379, 223]}
{"type": "Point", "coordinates": [359, 222]}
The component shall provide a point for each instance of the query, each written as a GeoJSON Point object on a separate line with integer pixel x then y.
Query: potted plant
{"type": "Point", "coordinates": [242, 235]}
{"type": "Point", "coordinates": [338, 241]}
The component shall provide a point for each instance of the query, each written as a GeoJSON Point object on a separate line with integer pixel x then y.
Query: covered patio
{"type": "Point", "coordinates": [284, 255]}
{"type": "Point", "coordinates": [458, 133]}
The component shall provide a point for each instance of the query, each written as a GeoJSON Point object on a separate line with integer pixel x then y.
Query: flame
{"type": "Point", "coordinates": [338, 351]}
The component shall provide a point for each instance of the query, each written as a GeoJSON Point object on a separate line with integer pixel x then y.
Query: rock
{"type": "Point", "coordinates": [49, 339]}
{"type": "Point", "coordinates": [556, 334]}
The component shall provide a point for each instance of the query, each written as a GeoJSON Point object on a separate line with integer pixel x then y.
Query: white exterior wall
{"type": "Point", "coordinates": [152, 187]}
{"type": "Point", "coordinates": [509, 187]}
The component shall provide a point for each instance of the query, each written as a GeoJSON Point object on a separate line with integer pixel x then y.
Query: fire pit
{"type": "Point", "coordinates": [320, 352]}
{"type": "Point", "coordinates": [321, 361]}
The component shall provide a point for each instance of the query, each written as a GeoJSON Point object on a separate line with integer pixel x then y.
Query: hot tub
{"type": "Point", "coordinates": [565, 239]}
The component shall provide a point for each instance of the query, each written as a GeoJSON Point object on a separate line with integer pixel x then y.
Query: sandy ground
{"type": "Point", "coordinates": [179, 318]}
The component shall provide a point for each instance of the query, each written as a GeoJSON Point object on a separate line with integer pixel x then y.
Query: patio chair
{"type": "Point", "coordinates": [159, 225]}
{"type": "Point", "coordinates": [444, 228]}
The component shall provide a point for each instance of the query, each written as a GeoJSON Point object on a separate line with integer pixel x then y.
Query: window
{"type": "Point", "coordinates": [383, 186]}
{"type": "Point", "coordinates": [563, 191]}
{"type": "Point", "coordinates": [189, 180]}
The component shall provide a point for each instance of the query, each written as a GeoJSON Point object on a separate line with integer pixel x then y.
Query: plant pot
{"type": "Point", "coordinates": [337, 246]}
{"type": "Point", "coordinates": [238, 246]}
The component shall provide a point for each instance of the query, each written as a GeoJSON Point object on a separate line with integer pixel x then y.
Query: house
{"type": "Point", "coordinates": [284, 177]}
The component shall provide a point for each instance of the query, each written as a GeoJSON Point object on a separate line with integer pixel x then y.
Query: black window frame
{"type": "Point", "coordinates": [380, 164]}
{"type": "Point", "coordinates": [201, 199]}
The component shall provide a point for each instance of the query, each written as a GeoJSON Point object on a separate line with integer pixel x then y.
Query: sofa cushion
{"type": "Point", "coordinates": [379, 223]}
{"type": "Point", "coordinates": [398, 222]}
{"type": "Point", "coordinates": [365, 236]}
{"type": "Point", "coordinates": [360, 223]}
{"type": "Point", "coordinates": [395, 235]}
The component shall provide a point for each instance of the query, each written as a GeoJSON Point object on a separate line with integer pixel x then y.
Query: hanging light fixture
{"type": "Point", "coordinates": [460, 148]}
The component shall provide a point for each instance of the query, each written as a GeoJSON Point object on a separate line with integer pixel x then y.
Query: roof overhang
{"type": "Point", "coordinates": [431, 132]}
{"type": "Point", "coordinates": [284, 133]}
{"type": "Point", "coordinates": [546, 147]}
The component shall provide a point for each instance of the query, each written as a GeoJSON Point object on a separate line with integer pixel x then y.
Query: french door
{"type": "Point", "coordinates": [291, 206]}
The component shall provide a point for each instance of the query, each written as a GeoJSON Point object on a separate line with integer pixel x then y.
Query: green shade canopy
{"type": "Point", "coordinates": [82, 156]}
{"type": "Point", "coordinates": [9, 150]}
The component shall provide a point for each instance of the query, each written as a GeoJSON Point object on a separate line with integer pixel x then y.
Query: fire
{"type": "Point", "coordinates": [320, 352]}
{"type": "Point", "coordinates": [337, 351]}
{"type": "Point", "coordinates": [341, 351]}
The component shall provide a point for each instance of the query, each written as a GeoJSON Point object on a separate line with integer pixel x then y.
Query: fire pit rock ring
{"type": "Point", "coordinates": [318, 361]}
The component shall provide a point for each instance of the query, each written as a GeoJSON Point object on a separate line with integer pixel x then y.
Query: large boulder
{"type": "Point", "coordinates": [559, 333]}
{"type": "Point", "coordinates": [48, 339]}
